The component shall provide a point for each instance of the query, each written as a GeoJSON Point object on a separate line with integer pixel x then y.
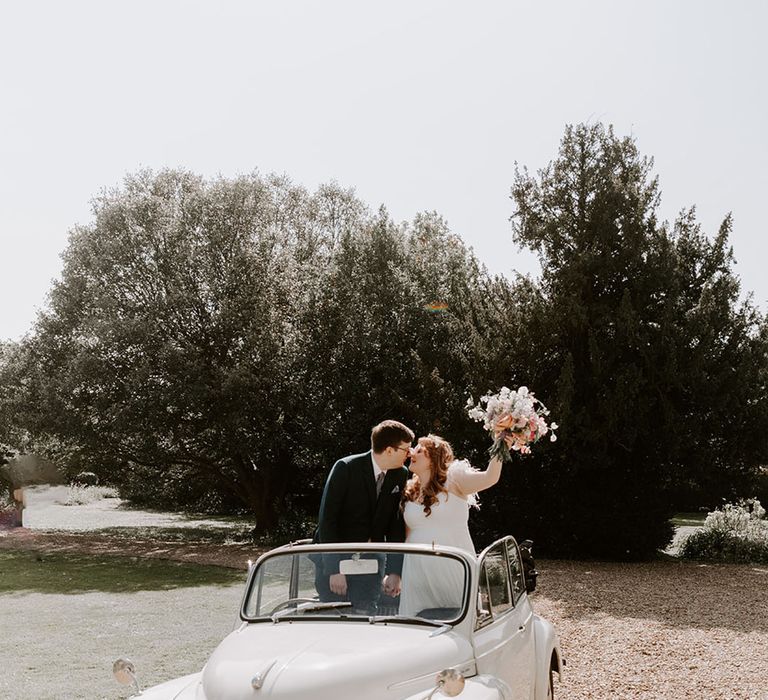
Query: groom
{"type": "Point", "coordinates": [361, 503]}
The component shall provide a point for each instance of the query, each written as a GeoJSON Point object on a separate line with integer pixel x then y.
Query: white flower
{"type": "Point", "coordinates": [553, 438]}
{"type": "Point", "coordinates": [554, 426]}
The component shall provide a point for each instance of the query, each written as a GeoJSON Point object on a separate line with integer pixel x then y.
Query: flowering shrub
{"type": "Point", "coordinates": [736, 533]}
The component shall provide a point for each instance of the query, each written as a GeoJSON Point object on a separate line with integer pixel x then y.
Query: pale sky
{"type": "Point", "coordinates": [417, 104]}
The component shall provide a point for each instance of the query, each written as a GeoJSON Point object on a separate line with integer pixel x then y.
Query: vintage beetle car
{"type": "Point", "coordinates": [478, 638]}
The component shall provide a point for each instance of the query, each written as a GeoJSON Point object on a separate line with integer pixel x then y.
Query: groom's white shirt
{"type": "Point", "coordinates": [376, 468]}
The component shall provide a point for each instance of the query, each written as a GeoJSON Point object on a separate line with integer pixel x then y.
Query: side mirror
{"type": "Point", "coordinates": [529, 565]}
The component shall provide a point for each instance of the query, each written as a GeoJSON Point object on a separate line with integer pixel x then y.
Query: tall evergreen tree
{"type": "Point", "coordinates": [606, 271]}
{"type": "Point", "coordinates": [656, 372]}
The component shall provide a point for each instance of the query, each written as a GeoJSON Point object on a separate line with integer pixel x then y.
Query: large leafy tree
{"type": "Point", "coordinates": [170, 347]}
{"type": "Point", "coordinates": [392, 335]}
{"type": "Point", "coordinates": [230, 339]}
{"type": "Point", "coordinates": [12, 437]}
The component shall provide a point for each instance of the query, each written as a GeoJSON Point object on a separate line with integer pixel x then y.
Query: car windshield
{"type": "Point", "coordinates": [295, 585]}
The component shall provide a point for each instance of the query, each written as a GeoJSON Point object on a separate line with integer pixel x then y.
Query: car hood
{"type": "Point", "coordinates": [328, 660]}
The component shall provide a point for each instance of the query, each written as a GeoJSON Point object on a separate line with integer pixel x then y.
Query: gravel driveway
{"type": "Point", "coordinates": [663, 629]}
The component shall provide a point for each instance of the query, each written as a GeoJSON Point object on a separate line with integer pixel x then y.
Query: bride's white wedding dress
{"type": "Point", "coordinates": [428, 582]}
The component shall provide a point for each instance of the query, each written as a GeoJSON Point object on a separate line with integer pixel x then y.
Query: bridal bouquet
{"type": "Point", "coordinates": [515, 419]}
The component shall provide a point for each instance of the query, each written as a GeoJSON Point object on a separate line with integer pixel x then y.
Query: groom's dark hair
{"type": "Point", "coordinates": [390, 433]}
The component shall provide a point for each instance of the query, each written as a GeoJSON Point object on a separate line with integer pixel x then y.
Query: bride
{"type": "Point", "coordinates": [436, 511]}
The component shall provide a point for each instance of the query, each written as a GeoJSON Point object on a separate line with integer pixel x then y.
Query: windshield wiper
{"type": "Point", "coordinates": [314, 605]}
{"type": "Point", "coordinates": [404, 618]}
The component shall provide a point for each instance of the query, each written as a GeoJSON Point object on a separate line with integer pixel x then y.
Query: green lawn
{"type": "Point", "coordinates": [66, 618]}
{"type": "Point", "coordinates": [22, 572]}
{"type": "Point", "coordinates": [695, 519]}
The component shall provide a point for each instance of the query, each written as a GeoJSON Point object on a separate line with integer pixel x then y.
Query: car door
{"type": "Point", "coordinates": [503, 636]}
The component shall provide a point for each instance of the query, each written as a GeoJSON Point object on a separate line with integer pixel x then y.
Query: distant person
{"type": "Point", "coordinates": [361, 503]}
{"type": "Point", "coordinates": [13, 516]}
{"type": "Point", "coordinates": [19, 499]}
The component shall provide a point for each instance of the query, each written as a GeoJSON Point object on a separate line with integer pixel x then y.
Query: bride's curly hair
{"type": "Point", "coordinates": [440, 455]}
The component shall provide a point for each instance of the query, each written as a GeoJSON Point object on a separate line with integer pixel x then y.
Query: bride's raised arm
{"type": "Point", "coordinates": [469, 480]}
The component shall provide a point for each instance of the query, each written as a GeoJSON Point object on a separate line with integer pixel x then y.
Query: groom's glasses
{"type": "Point", "coordinates": [407, 450]}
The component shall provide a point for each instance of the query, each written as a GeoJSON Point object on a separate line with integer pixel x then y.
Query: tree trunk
{"type": "Point", "coordinates": [262, 489]}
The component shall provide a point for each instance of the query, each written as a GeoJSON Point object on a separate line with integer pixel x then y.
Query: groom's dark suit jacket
{"type": "Point", "coordinates": [350, 511]}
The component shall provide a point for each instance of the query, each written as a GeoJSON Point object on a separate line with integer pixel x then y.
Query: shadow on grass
{"type": "Point", "coordinates": [27, 572]}
{"type": "Point", "coordinates": [183, 534]}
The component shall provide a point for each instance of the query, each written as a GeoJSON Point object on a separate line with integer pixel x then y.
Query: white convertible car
{"type": "Point", "coordinates": [473, 633]}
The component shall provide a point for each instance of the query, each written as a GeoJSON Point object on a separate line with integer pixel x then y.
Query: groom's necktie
{"type": "Point", "coordinates": [379, 482]}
